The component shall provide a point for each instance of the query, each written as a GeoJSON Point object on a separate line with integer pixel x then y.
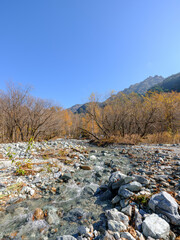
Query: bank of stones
{"type": "Point", "coordinates": [76, 192]}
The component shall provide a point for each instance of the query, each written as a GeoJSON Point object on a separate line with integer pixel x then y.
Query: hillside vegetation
{"type": "Point", "coordinates": [169, 84]}
{"type": "Point", "coordinates": [140, 88]}
{"type": "Point", "coordinates": [143, 86]}
{"type": "Point", "coordinates": [129, 118]}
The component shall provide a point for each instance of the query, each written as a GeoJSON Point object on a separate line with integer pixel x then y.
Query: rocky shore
{"type": "Point", "coordinates": [71, 190]}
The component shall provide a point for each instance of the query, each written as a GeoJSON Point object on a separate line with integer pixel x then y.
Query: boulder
{"type": "Point", "coordinates": [138, 220]}
{"type": "Point", "coordinates": [125, 193]}
{"type": "Point", "coordinates": [114, 214]}
{"type": "Point", "coordinates": [107, 195]}
{"type": "Point", "coordinates": [164, 203]}
{"type": "Point", "coordinates": [116, 176]}
{"type": "Point", "coordinates": [116, 226]}
{"type": "Point", "coordinates": [155, 227]}
{"type": "Point", "coordinates": [134, 186]}
{"type": "Point", "coordinates": [127, 210]}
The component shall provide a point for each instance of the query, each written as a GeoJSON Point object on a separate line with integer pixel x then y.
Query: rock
{"type": "Point", "coordinates": [2, 185]}
{"type": "Point", "coordinates": [138, 220]}
{"type": "Point", "coordinates": [140, 235]}
{"type": "Point", "coordinates": [108, 236]}
{"type": "Point", "coordinates": [92, 158]}
{"type": "Point", "coordinates": [32, 227]}
{"type": "Point", "coordinates": [90, 189]}
{"type": "Point", "coordinates": [123, 203]}
{"type": "Point", "coordinates": [125, 193]}
{"type": "Point", "coordinates": [107, 195]}
{"type": "Point", "coordinates": [116, 176]}
{"type": "Point", "coordinates": [127, 236]}
{"type": "Point", "coordinates": [116, 226]}
{"type": "Point", "coordinates": [57, 174]}
{"type": "Point", "coordinates": [116, 199]}
{"type": "Point", "coordinates": [28, 190]}
{"type": "Point", "coordinates": [164, 203]}
{"type": "Point", "coordinates": [141, 179]}
{"type": "Point", "coordinates": [128, 179]}
{"type": "Point", "coordinates": [75, 214]}
{"type": "Point", "coordinates": [85, 167]}
{"type": "Point", "coordinates": [127, 210]}
{"type": "Point", "coordinates": [82, 230]}
{"type": "Point", "coordinates": [38, 214]}
{"type": "Point", "coordinates": [52, 217]}
{"type": "Point", "coordinates": [134, 186]}
{"type": "Point", "coordinates": [66, 237]}
{"type": "Point", "coordinates": [66, 177]}
{"type": "Point", "coordinates": [155, 227]}
{"type": "Point", "coordinates": [117, 236]}
{"type": "Point", "coordinates": [114, 214]}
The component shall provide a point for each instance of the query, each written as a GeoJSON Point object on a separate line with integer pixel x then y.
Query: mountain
{"type": "Point", "coordinates": [140, 88]}
{"type": "Point", "coordinates": [169, 84]}
{"type": "Point", "coordinates": [143, 86]}
{"type": "Point", "coordinates": [75, 107]}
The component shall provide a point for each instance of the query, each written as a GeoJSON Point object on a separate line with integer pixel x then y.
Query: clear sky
{"type": "Point", "coordinates": [67, 49]}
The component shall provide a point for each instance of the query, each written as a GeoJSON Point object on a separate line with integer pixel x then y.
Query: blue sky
{"type": "Point", "coordinates": [67, 49]}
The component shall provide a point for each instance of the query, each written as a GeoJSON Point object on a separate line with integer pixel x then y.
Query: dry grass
{"type": "Point", "coordinates": [164, 137]}
{"type": "Point", "coordinates": [134, 139]}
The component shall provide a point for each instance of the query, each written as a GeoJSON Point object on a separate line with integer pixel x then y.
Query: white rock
{"type": "Point", "coordinates": [116, 226]}
{"type": "Point", "coordinates": [127, 236]}
{"type": "Point", "coordinates": [127, 210]}
{"type": "Point", "coordinates": [92, 158]}
{"type": "Point", "coordinates": [134, 186]}
{"type": "Point", "coordinates": [155, 227]}
{"type": "Point", "coordinates": [164, 203]}
{"type": "Point", "coordinates": [114, 214]}
{"type": "Point", "coordinates": [116, 176]}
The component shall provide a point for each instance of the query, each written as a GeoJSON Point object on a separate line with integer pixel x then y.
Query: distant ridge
{"type": "Point", "coordinates": [75, 108]}
{"type": "Point", "coordinates": [171, 83]}
{"type": "Point", "coordinates": [143, 86]}
{"type": "Point", "coordinates": [140, 88]}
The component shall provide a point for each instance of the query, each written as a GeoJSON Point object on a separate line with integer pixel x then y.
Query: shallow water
{"type": "Point", "coordinates": [75, 205]}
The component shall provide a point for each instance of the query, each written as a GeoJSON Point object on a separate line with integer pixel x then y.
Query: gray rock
{"type": "Point", "coordinates": [75, 214]}
{"type": "Point", "coordinates": [116, 226]}
{"type": "Point", "coordinates": [116, 176]}
{"type": "Point", "coordinates": [134, 186]}
{"type": "Point", "coordinates": [117, 236]}
{"type": "Point", "coordinates": [116, 199]}
{"type": "Point", "coordinates": [52, 217]}
{"type": "Point", "coordinates": [107, 195]}
{"type": "Point", "coordinates": [125, 193]}
{"type": "Point", "coordinates": [138, 220]}
{"type": "Point", "coordinates": [90, 189]}
{"type": "Point", "coordinates": [66, 177]}
{"type": "Point", "coordinates": [82, 230]}
{"type": "Point", "coordinates": [108, 236]}
{"type": "Point", "coordinates": [123, 203]}
{"type": "Point", "coordinates": [114, 214]}
{"type": "Point", "coordinates": [57, 174]}
{"type": "Point", "coordinates": [141, 179]}
{"type": "Point", "coordinates": [155, 227]}
{"type": "Point", "coordinates": [164, 203]}
{"type": "Point", "coordinates": [127, 236]}
{"type": "Point", "coordinates": [128, 179]}
{"type": "Point", "coordinates": [127, 210]}
{"type": "Point", "coordinates": [66, 237]}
